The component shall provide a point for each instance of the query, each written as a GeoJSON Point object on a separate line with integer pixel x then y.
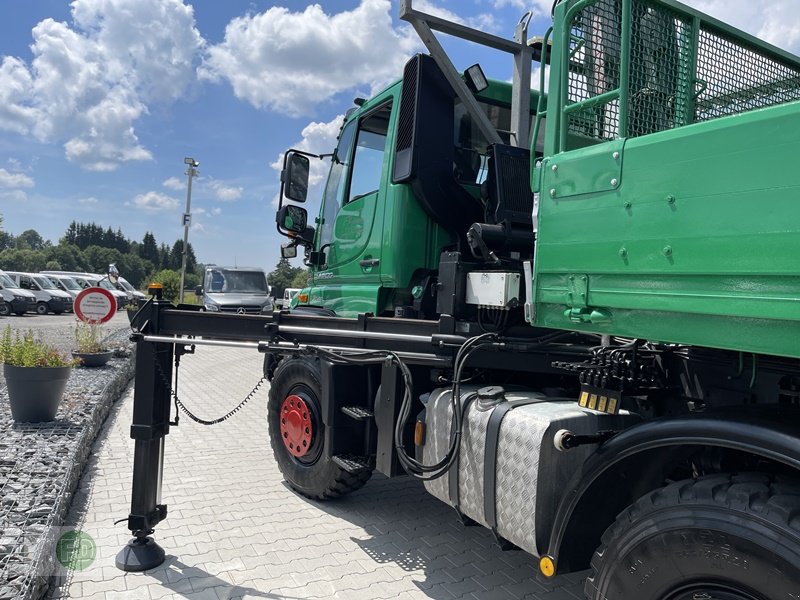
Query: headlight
{"type": "Point", "coordinates": [211, 307]}
{"type": "Point", "coordinates": [20, 298]}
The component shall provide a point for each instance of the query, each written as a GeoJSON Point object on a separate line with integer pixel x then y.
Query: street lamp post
{"type": "Point", "coordinates": [191, 171]}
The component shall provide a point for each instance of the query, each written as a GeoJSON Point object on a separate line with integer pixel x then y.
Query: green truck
{"type": "Point", "coordinates": [574, 316]}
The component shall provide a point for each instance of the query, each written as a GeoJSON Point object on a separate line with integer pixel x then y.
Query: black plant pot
{"type": "Point", "coordinates": [93, 359]}
{"type": "Point", "coordinates": [35, 392]}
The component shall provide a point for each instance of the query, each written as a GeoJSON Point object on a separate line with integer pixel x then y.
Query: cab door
{"type": "Point", "coordinates": [349, 232]}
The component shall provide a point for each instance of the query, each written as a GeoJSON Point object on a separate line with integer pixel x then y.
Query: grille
{"type": "Point", "coordinates": [677, 74]}
{"type": "Point", "coordinates": [248, 309]}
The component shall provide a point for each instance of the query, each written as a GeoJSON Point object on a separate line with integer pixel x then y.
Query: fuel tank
{"type": "Point", "coordinates": [509, 475]}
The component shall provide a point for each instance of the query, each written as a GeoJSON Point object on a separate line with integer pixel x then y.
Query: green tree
{"type": "Point", "coordinates": [53, 265]}
{"type": "Point", "coordinates": [149, 249]}
{"type": "Point", "coordinates": [134, 268]}
{"type": "Point", "coordinates": [69, 256]}
{"type": "Point", "coordinates": [14, 259]}
{"type": "Point", "coordinates": [171, 280]}
{"type": "Point", "coordinates": [302, 279]}
{"type": "Point", "coordinates": [98, 258]}
{"type": "Point", "coordinates": [30, 240]}
{"type": "Point", "coordinates": [6, 240]}
{"type": "Point", "coordinates": [282, 276]}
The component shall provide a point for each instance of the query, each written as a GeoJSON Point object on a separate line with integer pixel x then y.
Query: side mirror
{"type": "Point", "coordinates": [113, 273]}
{"type": "Point", "coordinates": [288, 250]}
{"type": "Point", "coordinates": [198, 291]}
{"type": "Point", "coordinates": [292, 218]}
{"type": "Point", "coordinates": [295, 177]}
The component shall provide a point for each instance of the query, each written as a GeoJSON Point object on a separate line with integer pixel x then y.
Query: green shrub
{"type": "Point", "coordinates": [27, 351]}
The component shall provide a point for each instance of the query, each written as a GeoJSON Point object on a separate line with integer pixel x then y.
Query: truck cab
{"type": "Point", "coordinates": [406, 181]}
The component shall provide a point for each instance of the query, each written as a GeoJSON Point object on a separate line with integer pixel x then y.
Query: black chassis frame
{"type": "Point", "coordinates": [164, 333]}
{"type": "Point", "coordinates": [764, 435]}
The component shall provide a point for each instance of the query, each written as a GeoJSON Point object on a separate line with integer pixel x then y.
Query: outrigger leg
{"type": "Point", "coordinates": [151, 408]}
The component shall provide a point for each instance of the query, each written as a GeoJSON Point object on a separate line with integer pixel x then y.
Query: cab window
{"type": "Point", "coordinates": [369, 153]}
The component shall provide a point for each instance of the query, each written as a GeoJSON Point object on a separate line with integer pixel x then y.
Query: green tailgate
{"type": "Point", "coordinates": [680, 221]}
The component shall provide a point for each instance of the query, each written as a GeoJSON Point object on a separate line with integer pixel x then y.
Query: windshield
{"type": "Point", "coordinates": [127, 286]}
{"type": "Point", "coordinates": [44, 283]}
{"type": "Point", "coordinates": [103, 283]}
{"type": "Point", "coordinates": [242, 282]}
{"type": "Point", "coordinates": [69, 283]}
{"type": "Point", "coordinates": [6, 282]}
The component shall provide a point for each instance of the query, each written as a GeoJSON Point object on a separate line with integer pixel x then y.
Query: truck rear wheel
{"type": "Point", "coordinates": [720, 537]}
{"type": "Point", "coordinates": [297, 434]}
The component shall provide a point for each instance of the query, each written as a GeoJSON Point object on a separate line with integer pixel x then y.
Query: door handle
{"type": "Point", "coordinates": [368, 263]}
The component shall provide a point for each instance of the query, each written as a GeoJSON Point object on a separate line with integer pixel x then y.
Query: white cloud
{"type": "Point", "coordinates": [90, 80]}
{"type": "Point", "coordinates": [225, 192]}
{"type": "Point", "coordinates": [88, 201]}
{"type": "Point", "coordinates": [155, 202]}
{"type": "Point", "coordinates": [216, 211]}
{"type": "Point", "coordinates": [291, 61]}
{"type": "Point", "coordinates": [482, 21]}
{"type": "Point", "coordinates": [316, 138]}
{"type": "Point", "coordinates": [15, 180]}
{"type": "Point", "coordinates": [16, 196]}
{"type": "Point", "coordinates": [174, 183]}
{"type": "Point", "coordinates": [776, 21]}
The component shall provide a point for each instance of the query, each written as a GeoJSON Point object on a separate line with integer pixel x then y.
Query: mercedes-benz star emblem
{"type": "Point", "coordinates": [240, 310]}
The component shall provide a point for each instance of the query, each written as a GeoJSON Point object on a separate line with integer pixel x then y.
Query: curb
{"type": "Point", "coordinates": [43, 561]}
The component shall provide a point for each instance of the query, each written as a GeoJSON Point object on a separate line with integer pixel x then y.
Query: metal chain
{"type": "Point", "coordinates": [194, 417]}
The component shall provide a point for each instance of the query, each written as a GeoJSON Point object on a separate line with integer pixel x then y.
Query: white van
{"type": "Point", "coordinates": [288, 295]}
{"type": "Point", "coordinates": [66, 284]}
{"type": "Point", "coordinates": [86, 280]}
{"type": "Point", "coordinates": [13, 299]}
{"type": "Point", "coordinates": [48, 297]}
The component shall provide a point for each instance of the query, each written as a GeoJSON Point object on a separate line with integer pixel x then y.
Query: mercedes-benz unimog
{"type": "Point", "coordinates": [581, 333]}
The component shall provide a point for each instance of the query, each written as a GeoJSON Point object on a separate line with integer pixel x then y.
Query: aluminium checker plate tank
{"type": "Point", "coordinates": [529, 472]}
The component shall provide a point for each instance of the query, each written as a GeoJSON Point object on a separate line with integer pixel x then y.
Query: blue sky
{"type": "Point", "coordinates": [101, 100]}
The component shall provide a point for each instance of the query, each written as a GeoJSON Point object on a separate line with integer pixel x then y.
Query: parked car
{"type": "Point", "coordinates": [48, 297]}
{"type": "Point", "coordinates": [14, 299]}
{"type": "Point", "coordinates": [240, 290]}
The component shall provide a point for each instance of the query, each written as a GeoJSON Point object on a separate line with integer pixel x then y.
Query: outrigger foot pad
{"type": "Point", "coordinates": [140, 554]}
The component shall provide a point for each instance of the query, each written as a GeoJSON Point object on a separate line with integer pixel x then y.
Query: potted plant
{"type": "Point", "coordinates": [36, 375]}
{"type": "Point", "coordinates": [90, 349]}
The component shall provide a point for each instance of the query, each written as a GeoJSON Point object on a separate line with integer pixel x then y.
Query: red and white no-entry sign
{"type": "Point", "coordinates": [95, 305]}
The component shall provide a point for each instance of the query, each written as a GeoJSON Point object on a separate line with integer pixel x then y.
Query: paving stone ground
{"type": "Point", "coordinates": [235, 530]}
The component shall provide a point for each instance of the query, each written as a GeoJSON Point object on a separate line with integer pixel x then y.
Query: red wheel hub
{"type": "Point", "coordinates": [296, 429]}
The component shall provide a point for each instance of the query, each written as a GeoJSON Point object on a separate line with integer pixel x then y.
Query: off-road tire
{"type": "Point", "coordinates": [321, 478]}
{"type": "Point", "coordinates": [720, 536]}
{"type": "Point", "coordinates": [5, 309]}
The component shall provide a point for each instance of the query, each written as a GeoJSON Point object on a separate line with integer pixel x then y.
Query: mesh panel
{"type": "Point", "coordinates": [738, 78]}
{"type": "Point", "coordinates": [659, 80]}
{"type": "Point", "coordinates": [595, 48]}
{"type": "Point", "coordinates": [671, 83]}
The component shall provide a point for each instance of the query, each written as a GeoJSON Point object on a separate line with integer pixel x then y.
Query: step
{"type": "Point", "coordinates": [359, 413]}
{"type": "Point", "coordinates": [352, 463]}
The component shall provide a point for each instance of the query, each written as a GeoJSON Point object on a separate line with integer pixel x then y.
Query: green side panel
{"type": "Point", "coordinates": [699, 243]}
{"type": "Point", "coordinates": [347, 300]}
{"type": "Point", "coordinates": [411, 240]}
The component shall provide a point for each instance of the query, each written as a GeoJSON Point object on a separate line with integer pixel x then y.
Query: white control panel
{"type": "Point", "coordinates": [493, 288]}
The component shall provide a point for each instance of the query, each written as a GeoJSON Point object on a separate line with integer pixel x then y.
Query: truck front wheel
{"type": "Point", "coordinates": [297, 433]}
{"type": "Point", "coordinates": [720, 537]}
